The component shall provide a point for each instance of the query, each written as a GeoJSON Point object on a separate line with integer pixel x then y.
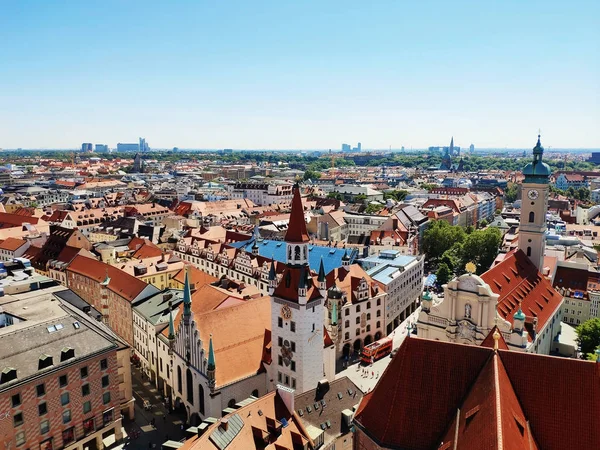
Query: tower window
{"type": "Point", "coordinates": [528, 251]}
{"type": "Point", "coordinates": [531, 217]}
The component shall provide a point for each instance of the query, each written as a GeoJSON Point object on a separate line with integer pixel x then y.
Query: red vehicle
{"type": "Point", "coordinates": [376, 350]}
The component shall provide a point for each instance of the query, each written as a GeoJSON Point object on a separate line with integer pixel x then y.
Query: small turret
{"type": "Point", "coordinates": [426, 300]}
{"type": "Point", "coordinates": [519, 321]}
{"type": "Point", "coordinates": [272, 278]}
{"type": "Point", "coordinates": [345, 259]}
{"type": "Point", "coordinates": [321, 278]}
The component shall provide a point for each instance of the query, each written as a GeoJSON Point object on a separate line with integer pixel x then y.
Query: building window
{"type": "Point", "coordinates": [20, 438]}
{"type": "Point", "coordinates": [18, 419]}
{"type": "Point", "coordinates": [104, 364]}
{"type": "Point", "coordinates": [85, 390]}
{"type": "Point", "coordinates": [63, 381]}
{"type": "Point", "coordinates": [347, 312]}
{"type": "Point", "coordinates": [378, 302]}
{"type": "Point", "coordinates": [347, 335]}
{"type": "Point", "coordinates": [88, 426]}
{"type": "Point", "coordinates": [105, 381]}
{"type": "Point", "coordinates": [358, 331]}
{"type": "Point", "coordinates": [368, 316]}
{"type": "Point", "coordinates": [87, 407]}
{"type": "Point", "coordinates": [368, 328]}
{"type": "Point", "coordinates": [293, 366]}
{"type": "Point", "coordinates": [16, 400]}
{"type": "Point", "coordinates": [179, 382]}
{"type": "Point", "coordinates": [531, 217]}
{"type": "Point", "coordinates": [84, 372]}
{"type": "Point", "coordinates": [528, 251]}
{"type": "Point", "coordinates": [357, 308]}
{"type": "Point", "coordinates": [44, 426]}
{"type": "Point", "coordinates": [66, 416]}
{"type": "Point", "coordinates": [40, 389]}
{"type": "Point", "coordinates": [293, 326]}
{"type": "Point", "coordinates": [368, 305]}
{"type": "Point", "coordinates": [42, 408]}
{"type": "Point", "coordinates": [64, 399]}
{"type": "Point", "coordinates": [293, 383]}
{"type": "Point", "coordinates": [68, 436]}
{"type": "Point", "coordinates": [279, 376]}
{"type": "Point", "coordinates": [280, 360]}
{"type": "Point", "coordinates": [106, 398]}
{"type": "Point", "coordinates": [357, 320]}
{"type": "Point", "coordinates": [280, 322]}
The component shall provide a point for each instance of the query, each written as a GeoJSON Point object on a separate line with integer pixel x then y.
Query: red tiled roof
{"type": "Point", "coordinates": [489, 340]}
{"type": "Point", "coordinates": [8, 220]}
{"type": "Point", "coordinates": [288, 285]}
{"type": "Point", "coordinates": [517, 280]}
{"type": "Point", "coordinates": [11, 244]}
{"type": "Point", "coordinates": [468, 397]}
{"type": "Point", "coordinates": [121, 283]}
{"type": "Point", "coordinates": [296, 231]}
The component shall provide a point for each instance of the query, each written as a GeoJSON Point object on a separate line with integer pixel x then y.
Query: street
{"type": "Point", "coordinates": [366, 376]}
{"type": "Point", "coordinates": [140, 433]}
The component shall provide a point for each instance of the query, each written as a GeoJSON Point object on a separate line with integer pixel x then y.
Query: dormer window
{"type": "Point", "coordinates": [44, 361]}
{"type": "Point", "coordinates": [8, 374]}
{"type": "Point", "coordinates": [67, 353]}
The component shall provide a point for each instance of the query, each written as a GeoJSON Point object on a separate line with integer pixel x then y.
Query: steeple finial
{"type": "Point", "coordinates": [211, 355]}
{"type": "Point", "coordinates": [321, 276]}
{"type": "Point", "coordinates": [187, 294]}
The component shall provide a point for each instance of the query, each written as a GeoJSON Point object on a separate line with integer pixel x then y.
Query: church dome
{"type": "Point", "coordinates": [519, 315]}
{"type": "Point", "coordinates": [537, 171]}
{"type": "Point", "coordinates": [334, 292]}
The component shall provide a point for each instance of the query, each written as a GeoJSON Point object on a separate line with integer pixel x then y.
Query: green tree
{"type": "Point", "coordinates": [398, 195]}
{"type": "Point", "coordinates": [481, 248]}
{"type": "Point", "coordinates": [510, 194]}
{"type": "Point", "coordinates": [335, 195]}
{"type": "Point", "coordinates": [439, 237]}
{"type": "Point", "coordinates": [571, 192]}
{"type": "Point", "coordinates": [588, 335]}
{"type": "Point", "coordinates": [360, 198]}
{"type": "Point", "coordinates": [372, 208]}
{"type": "Point", "coordinates": [583, 194]}
{"type": "Point", "coordinates": [594, 356]}
{"type": "Point", "coordinates": [429, 186]}
{"type": "Point", "coordinates": [449, 258]}
{"type": "Point", "coordinates": [483, 223]}
{"type": "Point", "coordinates": [311, 175]}
{"type": "Point", "coordinates": [443, 274]}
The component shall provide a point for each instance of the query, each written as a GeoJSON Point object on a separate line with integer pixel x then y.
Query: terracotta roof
{"type": "Point", "coordinates": [8, 220]}
{"type": "Point", "coordinates": [11, 244]}
{"type": "Point", "coordinates": [238, 341]}
{"type": "Point", "coordinates": [257, 418]}
{"type": "Point", "coordinates": [296, 231]}
{"type": "Point", "coordinates": [198, 278]}
{"type": "Point", "coordinates": [517, 280]}
{"type": "Point", "coordinates": [466, 397]}
{"type": "Point", "coordinates": [290, 280]}
{"type": "Point", "coordinates": [121, 283]}
{"type": "Point", "coordinates": [489, 340]}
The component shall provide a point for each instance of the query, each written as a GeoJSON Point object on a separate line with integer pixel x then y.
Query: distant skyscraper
{"type": "Point", "coordinates": [86, 147]}
{"type": "Point", "coordinates": [359, 146]}
{"type": "Point", "coordinates": [127, 147]}
{"type": "Point", "coordinates": [471, 148]}
{"type": "Point", "coordinates": [346, 148]}
{"type": "Point", "coordinates": [144, 147]}
{"type": "Point", "coordinates": [101, 148]}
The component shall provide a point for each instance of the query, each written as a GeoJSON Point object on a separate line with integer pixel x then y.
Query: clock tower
{"type": "Point", "coordinates": [534, 205]}
{"type": "Point", "coordinates": [297, 313]}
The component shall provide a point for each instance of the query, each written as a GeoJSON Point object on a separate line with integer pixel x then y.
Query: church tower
{"type": "Point", "coordinates": [297, 312]}
{"type": "Point", "coordinates": [534, 205]}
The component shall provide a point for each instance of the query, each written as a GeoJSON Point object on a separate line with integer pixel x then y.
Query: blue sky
{"type": "Point", "coordinates": [307, 74]}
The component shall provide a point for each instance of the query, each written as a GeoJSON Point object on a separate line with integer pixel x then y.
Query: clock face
{"type": "Point", "coordinates": [533, 194]}
{"type": "Point", "coordinates": [286, 312]}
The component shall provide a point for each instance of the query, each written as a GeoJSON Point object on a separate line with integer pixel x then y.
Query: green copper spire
{"type": "Point", "coordinates": [272, 275]}
{"type": "Point", "coordinates": [187, 296]}
{"type": "Point", "coordinates": [211, 355]}
{"type": "Point", "coordinates": [171, 326]}
{"type": "Point", "coordinates": [321, 277]}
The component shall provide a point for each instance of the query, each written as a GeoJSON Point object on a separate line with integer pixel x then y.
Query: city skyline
{"type": "Point", "coordinates": [310, 76]}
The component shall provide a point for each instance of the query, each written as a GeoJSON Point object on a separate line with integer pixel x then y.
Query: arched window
{"type": "Point", "coordinates": [255, 393]}
{"type": "Point", "coordinates": [531, 217]}
{"type": "Point", "coordinates": [179, 383]}
{"type": "Point", "coordinates": [231, 403]}
{"type": "Point", "coordinates": [201, 398]}
{"type": "Point", "coordinates": [189, 387]}
{"type": "Point", "coordinates": [528, 251]}
{"type": "Point", "coordinates": [297, 253]}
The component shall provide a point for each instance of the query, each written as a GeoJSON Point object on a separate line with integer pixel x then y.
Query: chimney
{"type": "Point", "coordinates": [224, 425]}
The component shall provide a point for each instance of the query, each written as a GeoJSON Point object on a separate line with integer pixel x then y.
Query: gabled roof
{"type": "Point", "coordinates": [12, 244]}
{"type": "Point", "coordinates": [443, 395]}
{"type": "Point", "coordinates": [517, 280]}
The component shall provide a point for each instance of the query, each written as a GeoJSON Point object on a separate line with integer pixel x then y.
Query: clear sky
{"type": "Point", "coordinates": [300, 74]}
